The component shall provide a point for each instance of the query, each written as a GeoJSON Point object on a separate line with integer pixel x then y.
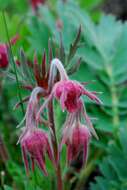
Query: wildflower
{"type": "Point", "coordinates": [34, 141]}
{"type": "Point", "coordinates": [67, 91]}
{"type": "Point", "coordinates": [77, 140]}
{"type": "Point", "coordinates": [77, 136]}
{"type": "Point", "coordinates": [36, 3]}
{"type": "Point", "coordinates": [36, 144]}
{"type": "Point", "coordinates": [3, 56]}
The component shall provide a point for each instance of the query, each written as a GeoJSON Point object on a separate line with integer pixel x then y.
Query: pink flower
{"type": "Point", "coordinates": [36, 144]}
{"type": "Point", "coordinates": [3, 56]}
{"type": "Point", "coordinates": [36, 3]}
{"type": "Point", "coordinates": [67, 91]}
{"type": "Point", "coordinates": [77, 140]}
{"type": "Point", "coordinates": [34, 141]}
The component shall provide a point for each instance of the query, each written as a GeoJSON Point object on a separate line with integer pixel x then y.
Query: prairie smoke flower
{"type": "Point", "coordinates": [34, 141]}
{"type": "Point", "coordinates": [3, 56]}
{"type": "Point", "coordinates": [76, 135]}
{"type": "Point", "coordinates": [77, 141]}
{"type": "Point", "coordinates": [67, 91]}
{"type": "Point", "coordinates": [36, 3]}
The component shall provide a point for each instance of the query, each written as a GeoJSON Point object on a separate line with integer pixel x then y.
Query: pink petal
{"type": "Point", "coordinates": [25, 160]}
{"type": "Point", "coordinates": [41, 163]}
{"type": "Point", "coordinates": [89, 123]}
{"type": "Point", "coordinates": [63, 99]}
{"type": "Point", "coordinates": [32, 163]}
{"type": "Point", "coordinates": [92, 96]}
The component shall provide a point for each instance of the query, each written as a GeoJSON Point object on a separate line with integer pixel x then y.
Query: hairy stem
{"type": "Point", "coordinates": [55, 145]}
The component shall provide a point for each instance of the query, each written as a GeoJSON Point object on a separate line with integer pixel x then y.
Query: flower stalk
{"type": "Point", "coordinates": [55, 145]}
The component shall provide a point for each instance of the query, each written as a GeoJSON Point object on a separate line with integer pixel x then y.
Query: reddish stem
{"type": "Point", "coordinates": [55, 145]}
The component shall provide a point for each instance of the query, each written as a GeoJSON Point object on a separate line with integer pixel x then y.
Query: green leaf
{"type": "Point", "coordinates": [112, 168]}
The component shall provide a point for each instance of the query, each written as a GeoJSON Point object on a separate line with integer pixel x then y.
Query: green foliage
{"type": "Point", "coordinates": [39, 35]}
{"type": "Point", "coordinates": [92, 6]}
{"type": "Point", "coordinates": [103, 49]}
{"type": "Point", "coordinates": [112, 168]}
{"type": "Point", "coordinates": [13, 6]}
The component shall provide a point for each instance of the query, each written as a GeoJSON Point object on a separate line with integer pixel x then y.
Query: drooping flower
{"type": "Point", "coordinates": [67, 91]}
{"type": "Point", "coordinates": [36, 144]}
{"type": "Point", "coordinates": [3, 56]}
{"type": "Point", "coordinates": [77, 136]}
{"type": "Point", "coordinates": [34, 141]}
{"type": "Point", "coordinates": [36, 3]}
{"type": "Point", "coordinates": [77, 140]}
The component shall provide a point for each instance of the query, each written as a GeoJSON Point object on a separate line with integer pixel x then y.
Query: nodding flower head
{"type": "Point", "coordinates": [67, 91]}
{"type": "Point", "coordinates": [36, 144]}
{"type": "Point", "coordinates": [77, 140]}
{"type": "Point", "coordinates": [36, 3]}
{"type": "Point", "coordinates": [3, 56]}
{"type": "Point", "coordinates": [34, 141]}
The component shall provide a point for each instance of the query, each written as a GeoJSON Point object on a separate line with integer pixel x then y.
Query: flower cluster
{"type": "Point", "coordinates": [76, 135]}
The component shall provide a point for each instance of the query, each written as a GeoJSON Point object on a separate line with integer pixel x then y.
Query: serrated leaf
{"type": "Point", "coordinates": [113, 167]}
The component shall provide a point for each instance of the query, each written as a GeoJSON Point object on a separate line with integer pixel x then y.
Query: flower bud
{"type": "Point", "coordinates": [68, 92]}
{"type": "Point", "coordinates": [3, 56]}
{"type": "Point", "coordinates": [36, 144]}
{"type": "Point", "coordinates": [77, 142]}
